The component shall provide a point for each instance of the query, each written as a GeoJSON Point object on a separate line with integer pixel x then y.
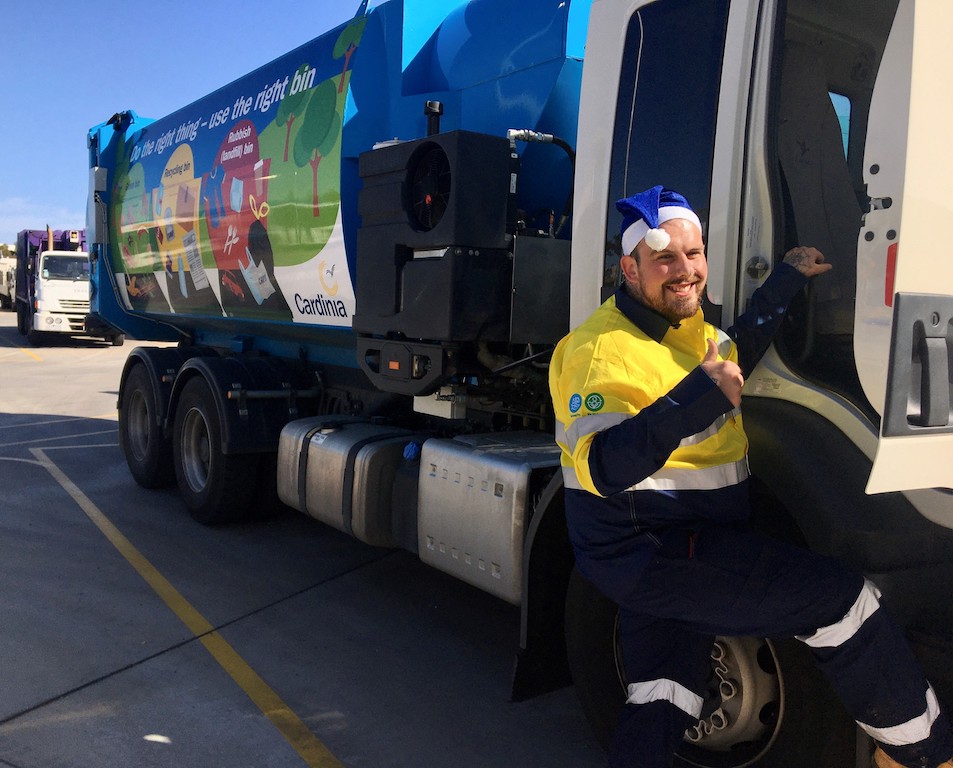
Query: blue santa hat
{"type": "Point", "coordinates": [644, 212]}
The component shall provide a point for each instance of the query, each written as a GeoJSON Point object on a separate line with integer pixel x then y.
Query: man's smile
{"type": "Point", "coordinates": [683, 288]}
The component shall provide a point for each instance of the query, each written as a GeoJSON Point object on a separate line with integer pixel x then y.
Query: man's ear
{"type": "Point", "coordinates": [630, 268]}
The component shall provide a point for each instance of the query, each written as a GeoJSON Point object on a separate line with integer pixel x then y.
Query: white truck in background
{"type": "Point", "coordinates": [8, 272]}
{"type": "Point", "coordinates": [52, 286]}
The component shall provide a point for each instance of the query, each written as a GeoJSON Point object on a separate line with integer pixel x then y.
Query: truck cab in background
{"type": "Point", "coordinates": [52, 279]}
{"type": "Point", "coordinates": [363, 249]}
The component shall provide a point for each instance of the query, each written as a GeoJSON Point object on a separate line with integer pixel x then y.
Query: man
{"type": "Point", "coordinates": [647, 398]}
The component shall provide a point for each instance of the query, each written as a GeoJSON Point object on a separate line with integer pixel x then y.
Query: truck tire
{"type": "Point", "coordinates": [147, 450]}
{"type": "Point", "coordinates": [217, 488]}
{"type": "Point", "coordinates": [22, 318]}
{"type": "Point", "coordinates": [779, 712]}
{"type": "Point", "coordinates": [117, 340]}
{"type": "Point", "coordinates": [25, 325]}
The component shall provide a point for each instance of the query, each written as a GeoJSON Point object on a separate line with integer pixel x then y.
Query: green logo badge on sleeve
{"type": "Point", "coordinates": [595, 401]}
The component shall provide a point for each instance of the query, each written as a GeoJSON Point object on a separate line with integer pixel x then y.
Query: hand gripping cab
{"type": "Point", "coordinates": [363, 252]}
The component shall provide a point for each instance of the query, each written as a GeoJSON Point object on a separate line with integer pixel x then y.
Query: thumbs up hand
{"type": "Point", "coordinates": [725, 374]}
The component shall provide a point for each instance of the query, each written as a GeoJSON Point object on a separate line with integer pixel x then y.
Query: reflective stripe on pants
{"type": "Point", "coordinates": [739, 583]}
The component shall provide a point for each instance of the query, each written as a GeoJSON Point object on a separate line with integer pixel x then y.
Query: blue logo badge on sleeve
{"type": "Point", "coordinates": [575, 403]}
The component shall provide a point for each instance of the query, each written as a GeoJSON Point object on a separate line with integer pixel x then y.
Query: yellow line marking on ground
{"type": "Point", "coordinates": [31, 353]}
{"type": "Point", "coordinates": [298, 735]}
{"type": "Point", "coordinates": [24, 350]}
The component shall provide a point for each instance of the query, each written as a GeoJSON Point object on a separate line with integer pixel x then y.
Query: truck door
{"type": "Point", "coordinates": [648, 116]}
{"type": "Point", "coordinates": [904, 319]}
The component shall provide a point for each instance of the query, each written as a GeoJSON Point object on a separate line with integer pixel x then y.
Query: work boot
{"type": "Point", "coordinates": [883, 760]}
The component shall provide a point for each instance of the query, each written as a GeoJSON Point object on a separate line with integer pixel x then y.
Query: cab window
{"type": "Point", "coordinates": [671, 71]}
{"type": "Point", "coordinates": [841, 106]}
{"type": "Point", "coordinates": [823, 91]}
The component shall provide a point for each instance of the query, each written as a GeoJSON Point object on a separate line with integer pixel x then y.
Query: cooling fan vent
{"type": "Point", "coordinates": [429, 187]}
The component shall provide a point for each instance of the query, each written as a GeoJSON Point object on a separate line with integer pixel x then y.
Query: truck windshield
{"type": "Point", "coordinates": [66, 267]}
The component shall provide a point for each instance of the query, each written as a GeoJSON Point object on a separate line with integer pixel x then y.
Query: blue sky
{"type": "Point", "coordinates": [67, 66]}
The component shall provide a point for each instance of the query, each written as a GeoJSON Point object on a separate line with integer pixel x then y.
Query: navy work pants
{"type": "Point", "coordinates": [727, 581]}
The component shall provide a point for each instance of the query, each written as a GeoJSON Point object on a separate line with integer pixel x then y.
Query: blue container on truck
{"type": "Point", "coordinates": [362, 250]}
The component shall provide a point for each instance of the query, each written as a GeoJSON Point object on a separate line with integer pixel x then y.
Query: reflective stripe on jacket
{"type": "Point", "coordinates": [651, 448]}
{"type": "Point", "coordinates": [609, 371]}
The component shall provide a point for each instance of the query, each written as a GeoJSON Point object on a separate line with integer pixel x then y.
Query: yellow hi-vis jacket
{"type": "Point", "coordinates": [651, 448]}
{"type": "Point", "coordinates": [609, 370]}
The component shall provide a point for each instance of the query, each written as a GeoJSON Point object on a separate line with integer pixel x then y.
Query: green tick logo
{"type": "Point", "coordinates": [595, 401]}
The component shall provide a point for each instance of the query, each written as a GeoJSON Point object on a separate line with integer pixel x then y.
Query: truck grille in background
{"type": "Point", "coordinates": [75, 311]}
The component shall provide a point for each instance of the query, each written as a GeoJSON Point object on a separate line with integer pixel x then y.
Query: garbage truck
{"type": "Point", "coordinates": [365, 251]}
{"type": "Point", "coordinates": [51, 286]}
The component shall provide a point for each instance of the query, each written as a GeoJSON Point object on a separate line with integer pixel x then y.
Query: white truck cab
{"type": "Point", "coordinates": [52, 287]}
{"type": "Point", "coordinates": [61, 298]}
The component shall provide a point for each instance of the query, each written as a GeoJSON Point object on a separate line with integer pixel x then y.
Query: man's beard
{"type": "Point", "coordinates": [673, 308]}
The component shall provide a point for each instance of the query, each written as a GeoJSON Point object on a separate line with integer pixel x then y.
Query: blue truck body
{"type": "Point", "coordinates": [188, 194]}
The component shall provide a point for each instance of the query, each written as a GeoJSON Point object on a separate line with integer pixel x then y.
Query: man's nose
{"type": "Point", "coordinates": [685, 265]}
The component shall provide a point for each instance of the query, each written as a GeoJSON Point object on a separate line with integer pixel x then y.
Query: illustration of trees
{"type": "Point", "coordinates": [317, 133]}
{"type": "Point", "coordinates": [291, 106]}
{"type": "Point", "coordinates": [346, 44]}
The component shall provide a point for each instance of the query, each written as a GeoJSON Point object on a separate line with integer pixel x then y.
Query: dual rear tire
{"type": "Point", "coordinates": [147, 450]}
{"type": "Point", "coordinates": [217, 488]}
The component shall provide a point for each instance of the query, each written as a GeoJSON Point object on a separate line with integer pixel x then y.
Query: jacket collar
{"type": "Point", "coordinates": [647, 320]}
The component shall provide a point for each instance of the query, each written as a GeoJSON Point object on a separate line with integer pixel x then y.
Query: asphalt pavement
{"type": "Point", "coordinates": [132, 636]}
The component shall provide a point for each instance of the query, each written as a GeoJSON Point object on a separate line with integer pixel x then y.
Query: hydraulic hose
{"type": "Point", "coordinates": [526, 135]}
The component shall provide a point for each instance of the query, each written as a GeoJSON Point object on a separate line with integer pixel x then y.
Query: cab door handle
{"type": "Point", "coordinates": [934, 361]}
{"type": "Point", "coordinates": [920, 376]}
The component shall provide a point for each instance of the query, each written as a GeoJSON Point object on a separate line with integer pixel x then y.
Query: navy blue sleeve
{"type": "Point", "coordinates": [629, 452]}
{"type": "Point", "coordinates": [754, 330]}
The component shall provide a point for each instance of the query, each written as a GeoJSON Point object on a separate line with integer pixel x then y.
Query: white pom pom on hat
{"type": "Point", "coordinates": [644, 212]}
{"type": "Point", "coordinates": [657, 239]}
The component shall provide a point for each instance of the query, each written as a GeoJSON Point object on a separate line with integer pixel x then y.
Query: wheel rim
{"type": "Point", "coordinates": [743, 708]}
{"type": "Point", "coordinates": [196, 451]}
{"type": "Point", "coordinates": [137, 425]}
